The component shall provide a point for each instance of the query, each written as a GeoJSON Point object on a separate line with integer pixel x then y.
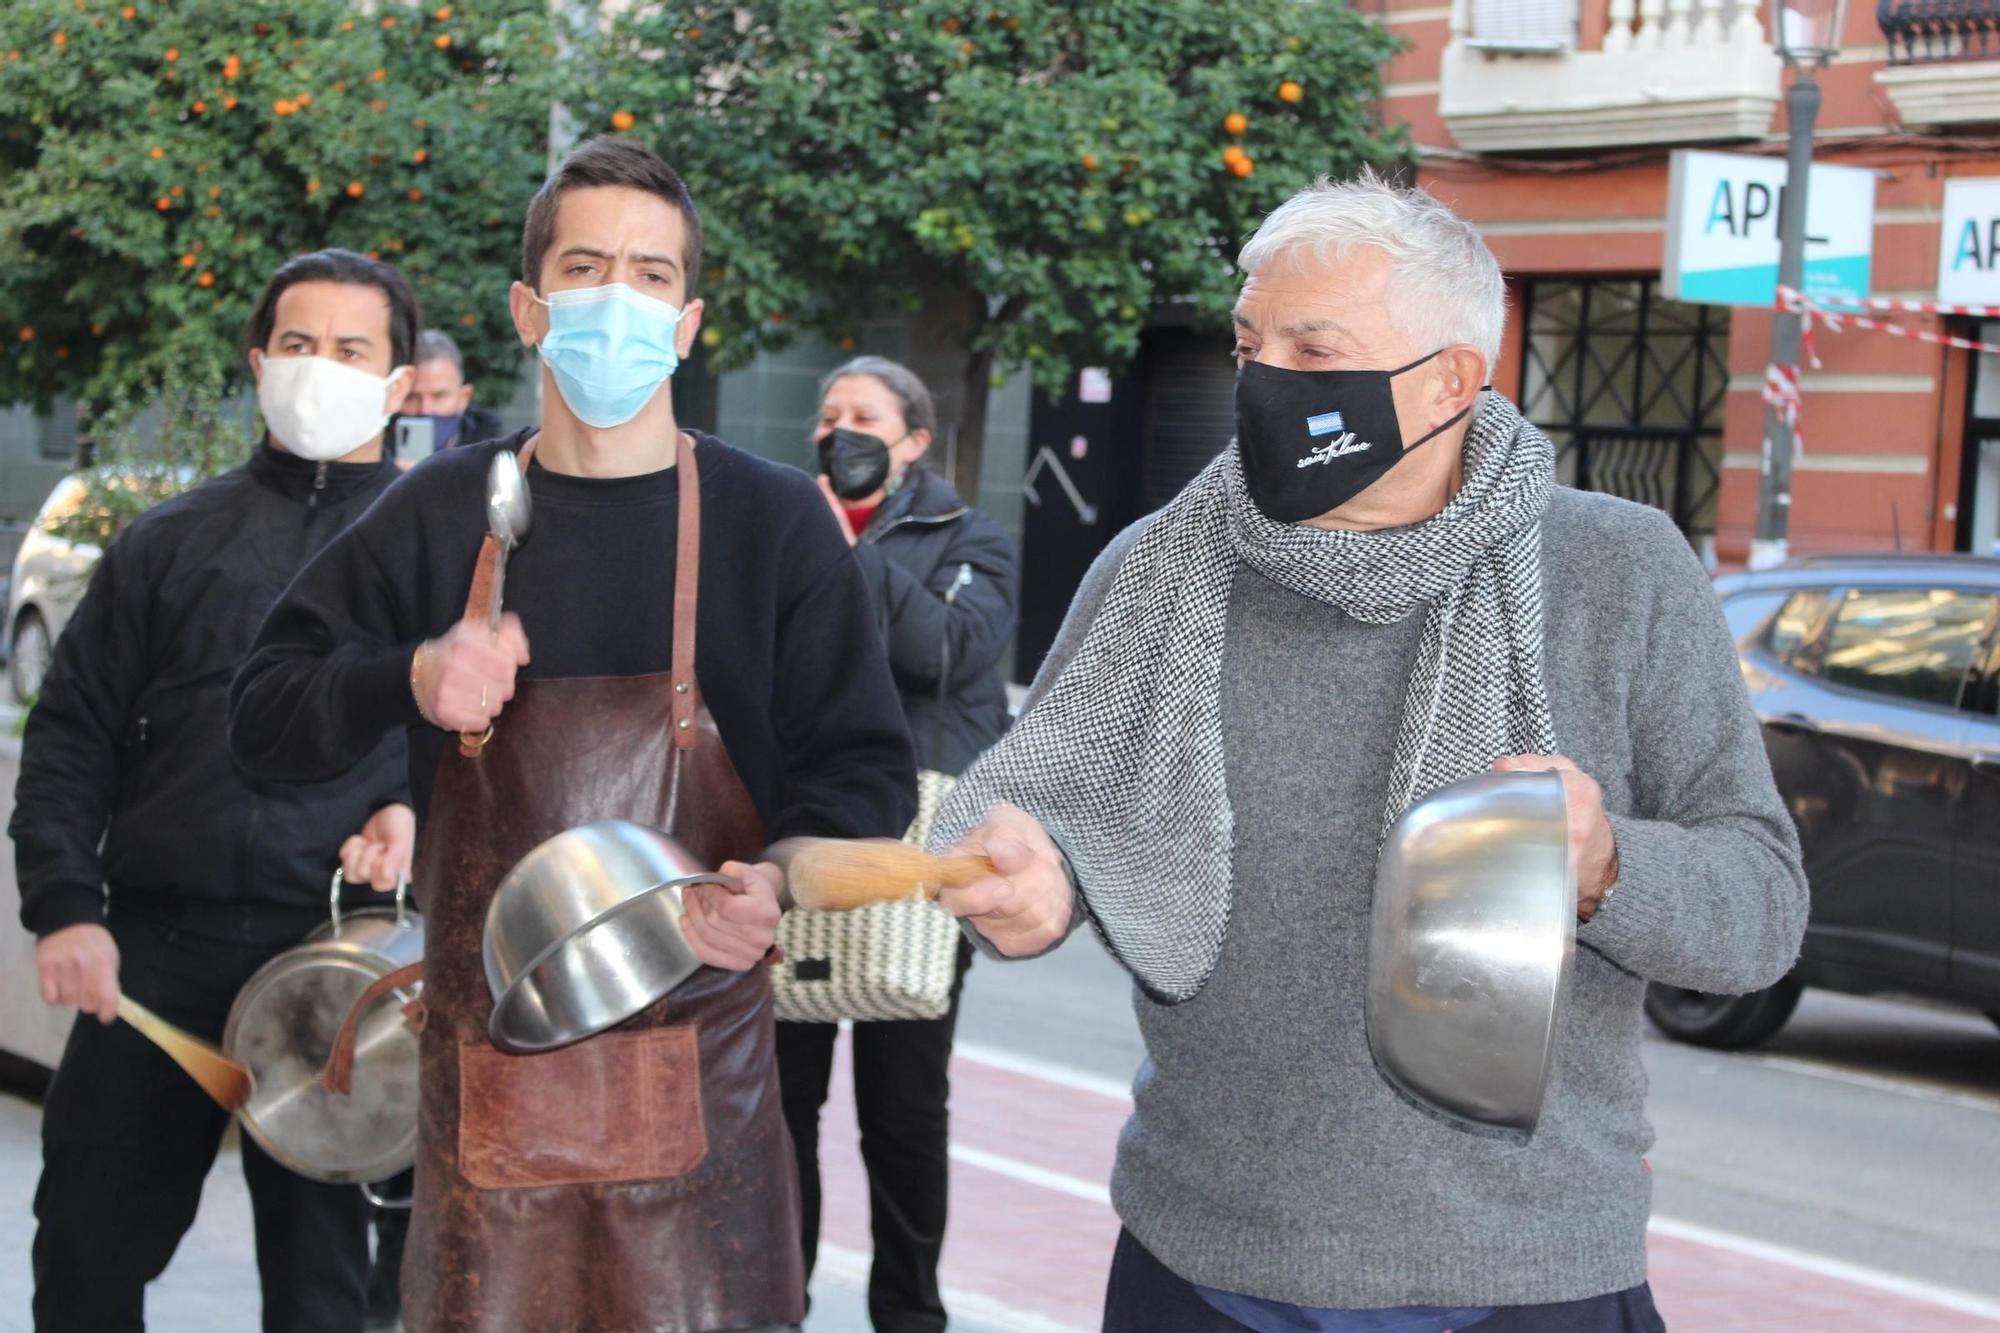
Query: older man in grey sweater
{"type": "Point", "coordinates": [1375, 590]}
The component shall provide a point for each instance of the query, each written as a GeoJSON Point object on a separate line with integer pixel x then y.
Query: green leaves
{"type": "Point", "coordinates": [1063, 160]}
{"type": "Point", "coordinates": [163, 159]}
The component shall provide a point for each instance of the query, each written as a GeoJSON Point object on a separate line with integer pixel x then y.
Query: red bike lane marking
{"type": "Point", "coordinates": [1039, 1248]}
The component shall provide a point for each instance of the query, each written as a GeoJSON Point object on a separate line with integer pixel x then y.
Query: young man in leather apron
{"type": "Point", "coordinates": [149, 863]}
{"type": "Point", "coordinates": [688, 645]}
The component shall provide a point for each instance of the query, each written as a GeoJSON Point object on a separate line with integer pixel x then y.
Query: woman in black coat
{"type": "Point", "coordinates": [947, 587]}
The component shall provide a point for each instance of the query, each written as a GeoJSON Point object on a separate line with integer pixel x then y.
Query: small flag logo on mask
{"type": "Point", "coordinates": [1326, 423]}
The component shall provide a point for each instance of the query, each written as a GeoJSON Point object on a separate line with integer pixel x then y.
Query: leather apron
{"type": "Point", "coordinates": [641, 1179]}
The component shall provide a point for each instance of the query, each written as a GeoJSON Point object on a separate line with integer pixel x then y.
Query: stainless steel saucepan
{"type": "Point", "coordinates": [1474, 926]}
{"type": "Point", "coordinates": [585, 932]}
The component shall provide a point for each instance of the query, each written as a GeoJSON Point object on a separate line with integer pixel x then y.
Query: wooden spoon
{"type": "Point", "coordinates": [839, 874]}
{"type": "Point", "coordinates": [220, 1077]}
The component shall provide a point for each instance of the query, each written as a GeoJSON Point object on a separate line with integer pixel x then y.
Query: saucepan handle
{"type": "Point", "coordinates": [368, 1193]}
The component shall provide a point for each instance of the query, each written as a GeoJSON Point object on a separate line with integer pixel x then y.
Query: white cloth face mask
{"type": "Point", "coordinates": [320, 409]}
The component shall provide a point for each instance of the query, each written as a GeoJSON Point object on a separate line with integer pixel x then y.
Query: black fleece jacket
{"type": "Point", "coordinates": [126, 778]}
{"type": "Point", "coordinates": [946, 587]}
{"type": "Point", "coordinates": [785, 649]}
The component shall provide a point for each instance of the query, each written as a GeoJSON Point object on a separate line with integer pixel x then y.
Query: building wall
{"type": "Point", "coordinates": [1883, 417]}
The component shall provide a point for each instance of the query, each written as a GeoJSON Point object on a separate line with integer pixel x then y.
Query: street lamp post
{"type": "Point", "coordinates": [1807, 35]}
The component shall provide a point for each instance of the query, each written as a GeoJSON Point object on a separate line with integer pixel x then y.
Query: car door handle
{"type": "Point", "coordinates": [1986, 762]}
{"type": "Point", "coordinates": [1792, 724]}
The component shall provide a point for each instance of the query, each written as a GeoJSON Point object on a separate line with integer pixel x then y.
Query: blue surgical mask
{"type": "Point", "coordinates": [610, 349]}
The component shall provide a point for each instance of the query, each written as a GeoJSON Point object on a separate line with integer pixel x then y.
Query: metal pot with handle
{"type": "Point", "coordinates": [287, 1020]}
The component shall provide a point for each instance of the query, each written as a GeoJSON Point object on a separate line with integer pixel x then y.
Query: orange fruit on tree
{"type": "Point", "coordinates": [1231, 153]}
{"type": "Point", "coordinates": [694, 34]}
{"type": "Point", "coordinates": [199, 107]}
{"type": "Point", "coordinates": [1090, 161]}
{"type": "Point", "coordinates": [441, 41]}
{"type": "Point", "coordinates": [60, 39]}
{"type": "Point", "coordinates": [206, 280]}
{"type": "Point", "coordinates": [284, 106]}
{"type": "Point", "coordinates": [421, 155]}
{"type": "Point", "coordinates": [355, 189]}
{"type": "Point", "coordinates": [173, 54]}
{"type": "Point", "coordinates": [416, 195]}
{"type": "Point", "coordinates": [176, 192]}
{"type": "Point", "coordinates": [1235, 122]}
{"type": "Point", "coordinates": [312, 187]}
{"type": "Point", "coordinates": [623, 120]}
{"type": "Point", "coordinates": [442, 14]}
{"type": "Point", "coordinates": [163, 203]}
{"type": "Point", "coordinates": [228, 104]}
{"type": "Point", "coordinates": [1289, 91]}
{"type": "Point", "coordinates": [467, 320]}
{"type": "Point", "coordinates": [215, 192]}
{"type": "Point", "coordinates": [950, 25]}
{"type": "Point", "coordinates": [378, 76]}
{"type": "Point", "coordinates": [187, 261]}
{"type": "Point", "coordinates": [389, 22]}
{"type": "Point", "coordinates": [965, 49]}
{"type": "Point", "coordinates": [130, 12]}
{"type": "Point", "coordinates": [347, 25]}
{"type": "Point", "coordinates": [156, 153]}
{"type": "Point", "coordinates": [27, 333]}
{"type": "Point", "coordinates": [305, 99]}
{"type": "Point", "coordinates": [1242, 166]}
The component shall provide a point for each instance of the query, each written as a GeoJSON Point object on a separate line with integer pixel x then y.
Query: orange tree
{"type": "Point", "coordinates": [159, 158]}
{"type": "Point", "coordinates": [1062, 166]}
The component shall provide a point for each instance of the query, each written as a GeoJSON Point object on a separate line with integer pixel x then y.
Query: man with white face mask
{"type": "Point", "coordinates": [705, 662]}
{"type": "Point", "coordinates": [149, 863]}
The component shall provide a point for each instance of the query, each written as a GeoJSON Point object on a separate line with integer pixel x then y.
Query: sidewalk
{"type": "Point", "coordinates": [1032, 1230]}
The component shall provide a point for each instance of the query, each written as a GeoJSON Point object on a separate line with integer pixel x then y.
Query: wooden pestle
{"type": "Point", "coordinates": [840, 874]}
{"type": "Point", "coordinates": [220, 1077]}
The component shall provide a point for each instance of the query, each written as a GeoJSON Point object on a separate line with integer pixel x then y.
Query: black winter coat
{"type": "Point", "coordinates": [126, 779]}
{"type": "Point", "coordinates": [947, 586]}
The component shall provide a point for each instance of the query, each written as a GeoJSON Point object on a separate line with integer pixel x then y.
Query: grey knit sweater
{"type": "Point", "coordinates": [1265, 1154]}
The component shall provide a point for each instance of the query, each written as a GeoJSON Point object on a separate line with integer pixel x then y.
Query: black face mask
{"type": "Point", "coordinates": [856, 464]}
{"type": "Point", "coordinates": [1312, 440]}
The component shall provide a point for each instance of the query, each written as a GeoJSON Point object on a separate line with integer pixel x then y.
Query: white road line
{"type": "Point", "coordinates": [1951, 1298]}
{"type": "Point", "coordinates": [1028, 1173]}
{"type": "Point", "coordinates": [1921, 1091]}
{"type": "Point", "coordinates": [1047, 1071]}
{"type": "Point", "coordinates": [848, 1270]}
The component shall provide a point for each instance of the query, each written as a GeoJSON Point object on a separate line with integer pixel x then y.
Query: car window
{"type": "Point", "coordinates": [1908, 643]}
{"type": "Point", "coordinates": [1746, 611]}
{"type": "Point", "coordinates": [1792, 629]}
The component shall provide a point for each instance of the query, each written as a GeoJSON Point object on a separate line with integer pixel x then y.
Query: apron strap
{"type": "Point", "coordinates": [338, 1076]}
{"type": "Point", "coordinates": [687, 583]}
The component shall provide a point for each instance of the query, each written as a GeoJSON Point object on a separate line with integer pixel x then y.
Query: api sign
{"type": "Point", "coordinates": [1969, 246]}
{"type": "Point", "coordinates": [1722, 230]}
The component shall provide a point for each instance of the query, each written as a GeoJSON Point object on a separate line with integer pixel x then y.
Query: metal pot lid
{"type": "Point", "coordinates": [283, 1026]}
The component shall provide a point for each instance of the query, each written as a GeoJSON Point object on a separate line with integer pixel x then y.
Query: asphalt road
{"type": "Point", "coordinates": [1867, 1133]}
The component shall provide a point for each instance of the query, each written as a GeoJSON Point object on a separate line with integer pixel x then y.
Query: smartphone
{"type": "Point", "coordinates": [416, 439]}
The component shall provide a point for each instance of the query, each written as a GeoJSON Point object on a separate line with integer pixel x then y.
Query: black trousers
{"type": "Point", "coordinates": [1145, 1296]}
{"type": "Point", "coordinates": [901, 1086]}
{"type": "Point", "coordinates": [128, 1138]}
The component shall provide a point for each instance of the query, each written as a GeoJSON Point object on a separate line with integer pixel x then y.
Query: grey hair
{"type": "Point", "coordinates": [919, 413]}
{"type": "Point", "coordinates": [436, 345]}
{"type": "Point", "coordinates": [1444, 284]}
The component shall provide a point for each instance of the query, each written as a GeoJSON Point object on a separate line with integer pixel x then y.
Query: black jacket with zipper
{"type": "Point", "coordinates": [126, 782]}
{"type": "Point", "coordinates": [947, 587]}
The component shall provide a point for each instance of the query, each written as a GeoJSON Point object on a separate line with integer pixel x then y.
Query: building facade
{"type": "Point", "coordinates": [1550, 123]}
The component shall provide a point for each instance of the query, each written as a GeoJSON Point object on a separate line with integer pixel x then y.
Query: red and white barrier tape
{"type": "Point", "coordinates": [1787, 294]}
{"type": "Point", "coordinates": [1781, 391]}
{"type": "Point", "coordinates": [1835, 320]}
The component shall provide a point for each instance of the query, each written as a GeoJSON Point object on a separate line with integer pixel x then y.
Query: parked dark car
{"type": "Point", "coordinates": [1876, 680]}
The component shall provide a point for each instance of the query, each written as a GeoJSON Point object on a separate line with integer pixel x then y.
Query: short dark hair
{"type": "Point", "coordinates": [608, 161]}
{"type": "Point", "coordinates": [343, 266]}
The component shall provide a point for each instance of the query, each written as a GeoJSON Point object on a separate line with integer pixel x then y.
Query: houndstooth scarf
{"type": "Point", "coordinates": [1121, 759]}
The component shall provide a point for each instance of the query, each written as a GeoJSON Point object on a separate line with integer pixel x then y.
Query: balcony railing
{"type": "Point", "coordinates": [1638, 72]}
{"type": "Point", "coordinates": [1922, 31]}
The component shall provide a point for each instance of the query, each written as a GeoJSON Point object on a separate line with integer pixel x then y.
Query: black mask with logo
{"type": "Point", "coordinates": [1311, 440]}
{"type": "Point", "coordinates": [856, 464]}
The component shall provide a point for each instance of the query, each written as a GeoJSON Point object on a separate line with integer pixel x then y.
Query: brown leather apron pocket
{"type": "Point", "coordinates": [623, 1106]}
